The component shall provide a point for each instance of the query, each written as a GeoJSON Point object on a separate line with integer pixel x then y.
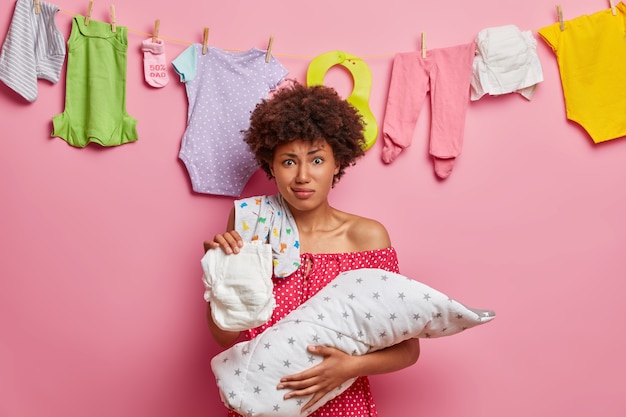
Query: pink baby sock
{"type": "Point", "coordinates": [443, 166]}
{"type": "Point", "coordinates": [154, 64]}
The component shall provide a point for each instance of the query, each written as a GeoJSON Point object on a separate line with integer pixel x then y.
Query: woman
{"type": "Point", "coordinates": [304, 138]}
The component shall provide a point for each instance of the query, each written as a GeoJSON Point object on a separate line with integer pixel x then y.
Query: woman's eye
{"type": "Point", "coordinates": [318, 161]}
{"type": "Point", "coordinates": [288, 162]}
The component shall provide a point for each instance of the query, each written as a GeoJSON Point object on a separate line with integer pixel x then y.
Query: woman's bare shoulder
{"type": "Point", "coordinates": [368, 234]}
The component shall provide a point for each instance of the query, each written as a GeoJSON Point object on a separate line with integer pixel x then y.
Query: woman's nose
{"type": "Point", "coordinates": [302, 177]}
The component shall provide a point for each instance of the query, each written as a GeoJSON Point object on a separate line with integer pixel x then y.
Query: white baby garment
{"type": "Point", "coordinates": [506, 61]}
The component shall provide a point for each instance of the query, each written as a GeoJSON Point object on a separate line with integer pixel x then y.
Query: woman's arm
{"type": "Point", "coordinates": [224, 338]}
{"type": "Point", "coordinates": [338, 367]}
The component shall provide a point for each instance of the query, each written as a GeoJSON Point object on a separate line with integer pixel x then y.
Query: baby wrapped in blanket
{"type": "Point", "coordinates": [359, 312]}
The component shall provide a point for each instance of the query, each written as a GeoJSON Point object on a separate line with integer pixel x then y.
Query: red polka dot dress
{"type": "Point", "coordinates": [290, 292]}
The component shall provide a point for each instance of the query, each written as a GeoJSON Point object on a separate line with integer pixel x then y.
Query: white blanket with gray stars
{"type": "Point", "coordinates": [359, 312]}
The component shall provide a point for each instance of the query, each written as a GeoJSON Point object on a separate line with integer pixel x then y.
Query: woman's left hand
{"type": "Point", "coordinates": [336, 368]}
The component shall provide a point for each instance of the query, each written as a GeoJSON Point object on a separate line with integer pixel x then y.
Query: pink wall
{"type": "Point", "coordinates": [101, 307]}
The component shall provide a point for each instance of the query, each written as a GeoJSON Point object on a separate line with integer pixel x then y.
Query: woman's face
{"type": "Point", "coordinates": [304, 171]}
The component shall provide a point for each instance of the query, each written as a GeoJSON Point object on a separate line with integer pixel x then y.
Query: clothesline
{"type": "Point", "coordinates": [187, 43]}
{"type": "Point", "coordinates": [307, 57]}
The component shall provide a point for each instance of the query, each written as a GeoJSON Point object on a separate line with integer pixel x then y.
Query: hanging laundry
{"type": "Point", "coordinates": [591, 55]}
{"type": "Point", "coordinates": [95, 96]}
{"type": "Point", "coordinates": [445, 73]}
{"type": "Point", "coordinates": [506, 62]}
{"type": "Point", "coordinates": [33, 49]}
{"type": "Point", "coordinates": [154, 62]}
{"type": "Point", "coordinates": [222, 87]}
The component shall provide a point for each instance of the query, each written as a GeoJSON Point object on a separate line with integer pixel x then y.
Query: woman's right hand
{"type": "Point", "coordinates": [230, 242]}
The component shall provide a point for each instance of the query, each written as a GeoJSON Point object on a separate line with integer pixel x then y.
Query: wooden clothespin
{"type": "Point", "coordinates": [38, 9]}
{"type": "Point", "coordinates": [113, 22]}
{"type": "Point", "coordinates": [423, 44]}
{"type": "Point", "coordinates": [155, 32]}
{"type": "Point", "coordinates": [612, 7]}
{"type": "Point", "coordinates": [269, 49]}
{"type": "Point", "coordinates": [205, 41]}
{"type": "Point", "coordinates": [89, 9]}
{"type": "Point", "coordinates": [559, 13]}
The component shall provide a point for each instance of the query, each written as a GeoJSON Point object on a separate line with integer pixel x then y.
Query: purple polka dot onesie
{"type": "Point", "coordinates": [223, 88]}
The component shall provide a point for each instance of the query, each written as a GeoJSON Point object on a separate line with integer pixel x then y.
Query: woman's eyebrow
{"type": "Point", "coordinates": [295, 155]}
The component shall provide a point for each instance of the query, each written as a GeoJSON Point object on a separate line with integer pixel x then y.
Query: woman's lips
{"type": "Point", "coordinates": [302, 193]}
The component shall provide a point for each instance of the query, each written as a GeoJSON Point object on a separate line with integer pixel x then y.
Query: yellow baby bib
{"type": "Point", "coordinates": [362, 77]}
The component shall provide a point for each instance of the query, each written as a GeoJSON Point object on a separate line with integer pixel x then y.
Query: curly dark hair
{"type": "Point", "coordinates": [308, 113]}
